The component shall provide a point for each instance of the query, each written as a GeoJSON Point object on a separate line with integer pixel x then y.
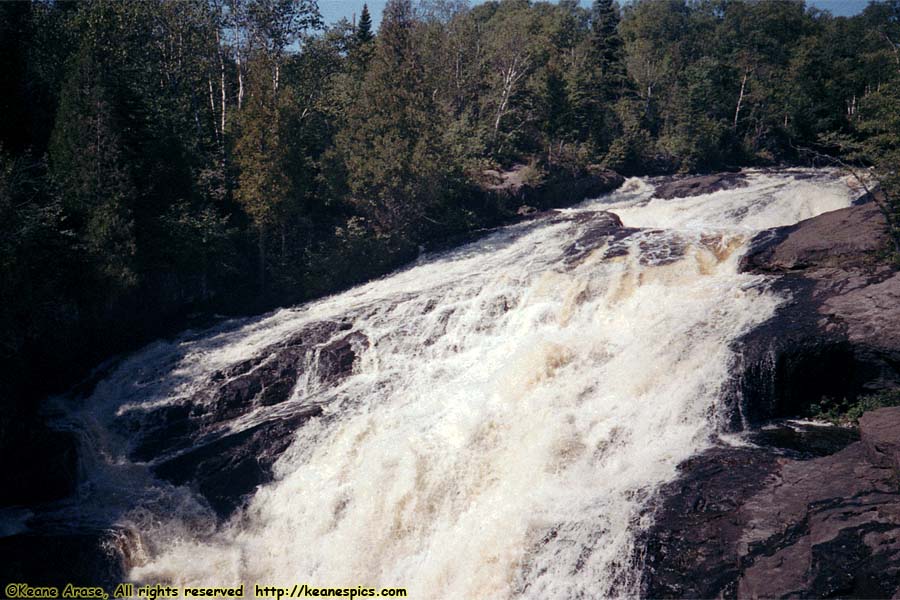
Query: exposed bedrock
{"type": "Point", "coordinates": [192, 443]}
{"type": "Point", "coordinates": [838, 335]}
{"type": "Point", "coordinates": [763, 522]}
{"type": "Point", "coordinates": [805, 511]}
{"type": "Point", "coordinates": [699, 184]}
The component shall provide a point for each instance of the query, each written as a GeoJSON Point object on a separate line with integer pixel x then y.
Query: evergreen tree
{"type": "Point", "coordinates": [390, 143]}
{"type": "Point", "coordinates": [558, 117]}
{"type": "Point", "coordinates": [364, 27]}
{"type": "Point", "coordinates": [607, 50]}
{"type": "Point", "coordinates": [265, 190]}
{"type": "Point", "coordinates": [603, 79]}
{"type": "Point", "coordinates": [88, 165]}
{"type": "Point", "coordinates": [180, 132]}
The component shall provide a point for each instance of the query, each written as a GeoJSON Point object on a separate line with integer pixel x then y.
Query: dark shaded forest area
{"type": "Point", "coordinates": [170, 158]}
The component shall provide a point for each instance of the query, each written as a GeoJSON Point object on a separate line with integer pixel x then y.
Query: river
{"type": "Point", "coordinates": [512, 406]}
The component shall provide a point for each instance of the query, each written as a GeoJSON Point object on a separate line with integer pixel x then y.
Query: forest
{"type": "Point", "coordinates": [166, 161]}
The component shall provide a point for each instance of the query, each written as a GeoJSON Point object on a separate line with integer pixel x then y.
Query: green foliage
{"type": "Point", "coordinates": [878, 127]}
{"type": "Point", "coordinates": [364, 33]}
{"type": "Point", "coordinates": [175, 152]}
{"type": "Point", "coordinates": [845, 412]}
{"type": "Point", "coordinates": [90, 170]}
{"type": "Point", "coordinates": [390, 145]}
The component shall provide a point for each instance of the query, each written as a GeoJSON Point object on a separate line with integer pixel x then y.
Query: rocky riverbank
{"type": "Point", "coordinates": [802, 511]}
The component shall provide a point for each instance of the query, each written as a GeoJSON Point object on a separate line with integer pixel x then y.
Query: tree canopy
{"type": "Point", "coordinates": [236, 154]}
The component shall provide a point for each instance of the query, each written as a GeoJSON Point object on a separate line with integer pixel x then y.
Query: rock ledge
{"type": "Point", "coordinates": [805, 511]}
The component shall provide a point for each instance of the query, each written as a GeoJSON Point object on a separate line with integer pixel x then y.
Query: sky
{"type": "Point", "coordinates": [334, 10]}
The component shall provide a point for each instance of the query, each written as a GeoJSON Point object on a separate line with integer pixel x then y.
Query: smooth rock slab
{"type": "Point", "coordinates": [192, 443]}
{"type": "Point", "coordinates": [227, 470]}
{"type": "Point", "coordinates": [754, 523]}
{"type": "Point", "coordinates": [838, 334]}
{"type": "Point", "coordinates": [880, 433]}
{"type": "Point", "coordinates": [699, 185]}
{"type": "Point", "coordinates": [798, 516]}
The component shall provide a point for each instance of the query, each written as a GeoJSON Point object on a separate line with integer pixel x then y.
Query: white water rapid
{"type": "Point", "coordinates": [517, 404]}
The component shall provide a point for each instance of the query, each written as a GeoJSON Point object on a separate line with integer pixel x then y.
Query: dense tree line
{"type": "Point", "coordinates": [165, 156]}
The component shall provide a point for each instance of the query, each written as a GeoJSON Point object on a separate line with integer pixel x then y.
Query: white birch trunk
{"type": "Point", "coordinates": [737, 110]}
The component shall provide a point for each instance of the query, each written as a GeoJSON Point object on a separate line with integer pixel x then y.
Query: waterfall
{"type": "Point", "coordinates": [512, 406]}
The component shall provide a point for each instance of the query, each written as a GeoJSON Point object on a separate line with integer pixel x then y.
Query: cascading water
{"type": "Point", "coordinates": [512, 406]}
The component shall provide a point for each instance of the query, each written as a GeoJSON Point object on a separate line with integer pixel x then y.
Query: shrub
{"type": "Point", "coordinates": [847, 413]}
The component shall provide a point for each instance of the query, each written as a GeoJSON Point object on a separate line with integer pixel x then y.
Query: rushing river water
{"type": "Point", "coordinates": [512, 408]}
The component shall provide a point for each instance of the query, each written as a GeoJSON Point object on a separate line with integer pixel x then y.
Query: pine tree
{"type": "Point", "coordinates": [607, 49]}
{"type": "Point", "coordinates": [604, 80]}
{"type": "Point", "coordinates": [87, 163]}
{"type": "Point", "coordinates": [364, 27]}
{"type": "Point", "coordinates": [390, 143]}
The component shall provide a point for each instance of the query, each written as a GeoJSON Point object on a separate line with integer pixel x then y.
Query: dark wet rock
{"type": "Point", "coordinates": [802, 441]}
{"type": "Point", "coordinates": [807, 512]}
{"type": "Point", "coordinates": [699, 185]}
{"type": "Point", "coordinates": [229, 468]}
{"type": "Point", "coordinates": [838, 335]}
{"type": "Point", "coordinates": [596, 230]}
{"type": "Point", "coordinates": [165, 428]}
{"type": "Point", "coordinates": [336, 358]}
{"type": "Point", "coordinates": [789, 363]}
{"type": "Point", "coordinates": [187, 444]}
{"type": "Point", "coordinates": [689, 552]}
{"type": "Point", "coordinates": [756, 523]}
{"type": "Point", "coordinates": [663, 250]}
{"type": "Point", "coordinates": [191, 444]}
{"type": "Point", "coordinates": [269, 377]}
{"type": "Point", "coordinates": [325, 349]}
{"type": "Point", "coordinates": [522, 185]}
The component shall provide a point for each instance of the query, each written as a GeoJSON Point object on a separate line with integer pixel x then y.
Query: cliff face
{"type": "Point", "coordinates": [805, 511]}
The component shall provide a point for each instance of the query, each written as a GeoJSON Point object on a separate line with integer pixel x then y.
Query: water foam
{"type": "Point", "coordinates": [502, 433]}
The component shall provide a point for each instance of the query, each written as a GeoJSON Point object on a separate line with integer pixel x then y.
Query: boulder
{"type": "Point", "coordinates": [520, 185]}
{"type": "Point", "coordinates": [847, 238]}
{"type": "Point", "coordinates": [699, 185]}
